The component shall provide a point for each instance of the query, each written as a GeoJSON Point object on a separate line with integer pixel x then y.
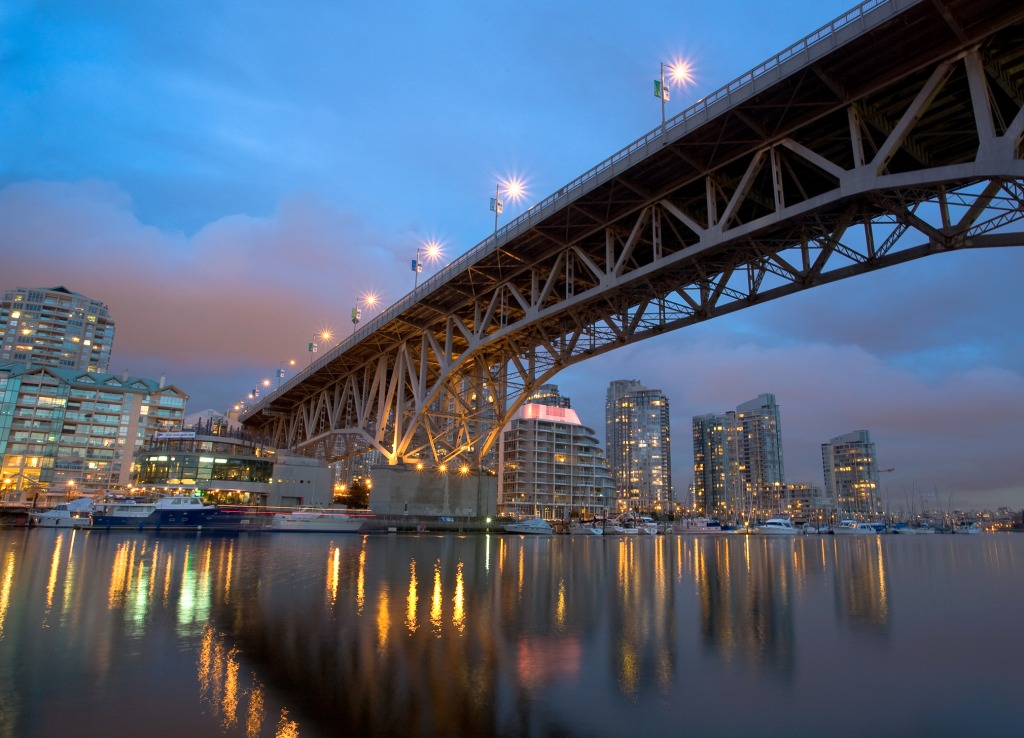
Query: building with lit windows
{"type": "Point", "coordinates": [737, 461]}
{"type": "Point", "coordinates": [216, 459]}
{"type": "Point", "coordinates": [851, 474]}
{"type": "Point", "coordinates": [66, 432]}
{"type": "Point", "coordinates": [55, 327]}
{"type": "Point", "coordinates": [638, 440]}
{"type": "Point", "coordinates": [551, 464]}
{"type": "Point", "coordinates": [716, 487]}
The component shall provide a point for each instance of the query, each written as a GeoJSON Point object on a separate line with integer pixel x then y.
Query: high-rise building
{"type": "Point", "coordinates": [55, 327]}
{"type": "Point", "coordinates": [762, 476]}
{"type": "Point", "coordinates": [851, 474]}
{"type": "Point", "coordinates": [737, 460]}
{"type": "Point", "coordinates": [638, 440]}
{"type": "Point", "coordinates": [716, 487]}
{"type": "Point", "coordinates": [65, 431]}
{"type": "Point", "coordinates": [551, 464]}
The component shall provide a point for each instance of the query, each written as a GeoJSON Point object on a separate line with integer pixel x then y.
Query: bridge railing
{"type": "Point", "coordinates": [697, 114]}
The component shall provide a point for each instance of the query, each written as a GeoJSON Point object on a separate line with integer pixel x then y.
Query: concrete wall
{"type": "Point", "coordinates": [402, 489]}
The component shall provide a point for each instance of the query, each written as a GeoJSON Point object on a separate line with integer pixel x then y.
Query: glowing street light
{"type": "Point", "coordinates": [280, 370]}
{"type": "Point", "coordinates": [679, 71]}
{"type": "Point", "coordinates": [370, 300]}
{"type": "Point", "coordinates": [513, 188]}
{"type": "Point", "coordinates": [431, 251]}
{"type": "Point", "coordinates": [325, 336]}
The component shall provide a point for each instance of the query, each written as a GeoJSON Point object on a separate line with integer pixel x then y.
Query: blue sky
{"type": "Point", "coordinates": [229, 179]}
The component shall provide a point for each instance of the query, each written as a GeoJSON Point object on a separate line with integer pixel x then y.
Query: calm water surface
{"type": "Point", "coordinates": [112, 634]}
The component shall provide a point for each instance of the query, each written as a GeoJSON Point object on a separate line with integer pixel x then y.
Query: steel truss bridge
{"type": "Point", "coordinates": [891, 134]}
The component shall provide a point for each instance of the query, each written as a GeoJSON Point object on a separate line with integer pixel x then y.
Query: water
{"type": "Point", "coordinates": [121, 634]}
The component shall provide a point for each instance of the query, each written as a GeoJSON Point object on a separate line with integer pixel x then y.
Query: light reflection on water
{"type": "Point", "coordinates": [292, 635]}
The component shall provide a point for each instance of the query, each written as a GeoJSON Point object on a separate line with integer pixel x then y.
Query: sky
{"type": "Point", "coordinates": [231, 179]}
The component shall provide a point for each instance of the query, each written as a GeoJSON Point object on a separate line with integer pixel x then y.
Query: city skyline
{"type": "Point", "coordinates": [232, 194]}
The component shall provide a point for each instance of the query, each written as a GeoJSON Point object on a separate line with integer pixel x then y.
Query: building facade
{"type": "Point", "coordinates": [851, 474]}
{"type": "Point", "coordinates": [55, 327]}
{"type": "Point", "coordinates": [716, 480]}
{"type": "Point", "coordinates": [65, 432]}
{"type": "Point", "coordinates": [737, 461]}
{"type": "Point", "coordinates": [638, 440]}
{"type": "Point", "coordinates": [551, 464]}
{"type": "Point", "coordinates": [219, 461]}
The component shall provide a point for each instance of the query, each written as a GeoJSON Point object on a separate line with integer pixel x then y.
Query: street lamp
{"type": "Point", "coordinates": [679, 72]}
{"type": "Point", "coordinates": [280, 370]}
{"type": "Point", "coordinates": [431, 251]}
{"type": "Point", "coordinates": [325, 336]}
{"type": "Point", "coordinates": [513, 188]}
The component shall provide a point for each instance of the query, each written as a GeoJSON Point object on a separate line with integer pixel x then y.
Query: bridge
{"type": "Point", "coordinates": [891, 134]}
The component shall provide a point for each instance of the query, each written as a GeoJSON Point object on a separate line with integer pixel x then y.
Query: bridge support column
{"type": "Point", "coordinates": [401, 489]}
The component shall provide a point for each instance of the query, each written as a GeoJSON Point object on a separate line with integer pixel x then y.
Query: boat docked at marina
{"type": "Point", "coordinates": [316, 520]}
{"type": "Point", "coordinates": [74, 514]}
{"type": "Point", "coordinates": [778, 527]}
{"type": "Point", "coordinates": [176, 512]}
{"type": "Point", "coordinates": [585, 528]}
{"type": "Point", "coordinates": [697, 525]}
{"type": "Point", "coordinates": [857, 527]}
{"type": "Point", "coordinates": [530, 526]}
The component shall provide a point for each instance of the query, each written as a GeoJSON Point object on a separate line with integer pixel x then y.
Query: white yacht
{"type": "Point", "coordinates": [855, 527]}
{"type": "Point", "coordinates": [534, 526]}
{"type": "Point", "coordinates": [316, 520]}
{"type": "Point", "coordinates": [73, 514]}
{"type": "Point", "coordinates": [778, 527]}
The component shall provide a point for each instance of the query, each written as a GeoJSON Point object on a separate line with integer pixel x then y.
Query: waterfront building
{"type": "Point", "coordinates": [66, 432]}
{"type": "Point", "coordinates": [55, 327]}
{"type": "Point", "coordinates": [217, 459]}
{"type": "Point", "coordinates": [551, 464]}
{"type": "Point", "coordinates": [738, 464]}
{"type": "Point", "coordinates": [638, 439]}
{"type": "Point", "coordinates": [716, 487]}
{"type": "Point", "coordinates": [851, 474]}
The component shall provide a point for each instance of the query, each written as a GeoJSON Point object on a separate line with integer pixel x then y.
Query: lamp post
{"type": "Point", "coordinates": [280, 370]}
{"type": "Point", "coordinates": [680, 72]}
{"type": "Point", "coordinates": [325, 336]}
{"type": "Point", "coordinates": [513, 188]}
{"type": "Point", "coordinates": [431, 251]}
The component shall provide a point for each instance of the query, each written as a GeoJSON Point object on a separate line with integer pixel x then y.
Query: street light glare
{"type": "Point", "coordinates": [325, 334]}
{"type": "Point", "coordinates": [514, 188]}
{"type": "Point", "coordinates": [433, 250]}
{"type": "Point", "coordinates": [681, 72]}
{"type": "Point", "coordinates": [370, 299]}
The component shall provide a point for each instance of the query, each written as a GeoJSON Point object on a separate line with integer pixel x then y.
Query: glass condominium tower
{"type": "Point", "coordinates": [638, 441]}
{"type": "Point", "coordinates": [851, 474]}
{"type": "Point", "coordinates": [55, 327]}
{"type": "Point", "coordinates": [737, 460]}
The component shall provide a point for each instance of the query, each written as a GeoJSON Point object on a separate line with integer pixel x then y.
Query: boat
{"type": "Point", "coordinates": [646, 526]}
{"type": "Point", "coordinates": [697, 525]}
{"type": "Point", "coordinates": [778, 527]}
{"type": "Point", "coordinates": [315, 520]}
{"type": "Point", "coordinates": [856, 527]}
{"type": "Point", "coordinates": [968, 528]}
{"type": "Point", "coordinates": [624, 526]}
{"type": "Point", "coordinates": [74, 514]}
{"type": "Point", "coordinates": [176, 512]}
{"type": "Point", "coordinates": [585, 528]}
{"type": "Point", "coordinates": [530, 526]}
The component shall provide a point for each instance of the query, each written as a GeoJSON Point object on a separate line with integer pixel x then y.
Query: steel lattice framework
{"type": "Point", "coordinates": [891, 134]}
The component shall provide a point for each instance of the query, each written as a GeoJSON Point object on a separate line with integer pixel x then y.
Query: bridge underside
{"type": "Point", "coordinates": [904, 142]}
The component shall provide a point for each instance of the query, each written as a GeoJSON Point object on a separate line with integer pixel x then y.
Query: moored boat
{"type": "Point", "coordinates": [778, 527]}
{"type": "Point", "coordinates": [177, 512]}
{"type": "Point", "coordinates": [530, 526]}
{"type": "Point", "coordinates": [856, 527]}
{"type": "Point", "coordinates": [74, 514]}
{"type": "Point", "coordinates": [315, 520]}
{"type": "Point", "coordinates": [585, 528]}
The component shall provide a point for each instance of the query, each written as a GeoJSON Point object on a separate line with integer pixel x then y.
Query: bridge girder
{"type": "Point", "coordinates": [830, 173]}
